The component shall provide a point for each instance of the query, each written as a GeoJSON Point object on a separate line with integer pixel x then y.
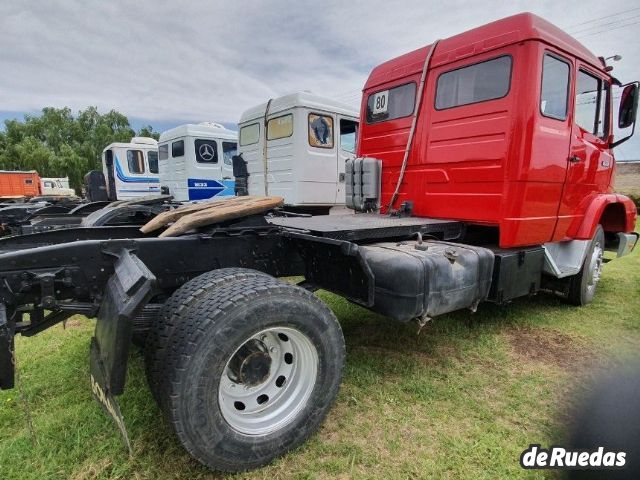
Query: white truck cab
{"type": "Point", "coordinates": [308, 140]}
{"type": "Point", "coordinates": [195, 161]}
{"type": "Point", "coordinates": [131, 169]}
{"type": "Point", "coordinates": [56, 187]}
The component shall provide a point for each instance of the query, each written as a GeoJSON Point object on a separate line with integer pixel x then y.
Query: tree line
{"type": "Point", "coordinates": [59, 144]}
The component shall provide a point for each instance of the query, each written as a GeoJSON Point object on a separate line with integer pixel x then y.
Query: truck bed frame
{"type": "Point", "coordinates": [403, 267]}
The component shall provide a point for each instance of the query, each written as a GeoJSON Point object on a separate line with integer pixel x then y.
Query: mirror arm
{"type": "Point", "coordinates": [624, 139]}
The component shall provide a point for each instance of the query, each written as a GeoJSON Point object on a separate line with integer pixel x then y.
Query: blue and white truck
{"type": "Point", "coordinates": [131, 169]}
{"type": "Point", "coordinates": [195, 161]}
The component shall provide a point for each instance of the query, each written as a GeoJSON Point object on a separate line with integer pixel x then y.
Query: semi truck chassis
{"type": "Point", "coordinates": [211, 301]}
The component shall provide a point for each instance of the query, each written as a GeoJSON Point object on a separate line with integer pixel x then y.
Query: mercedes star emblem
{"type": "Point", "coordinates": [206, 152]}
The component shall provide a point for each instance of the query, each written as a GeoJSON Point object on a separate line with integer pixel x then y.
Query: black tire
{"type": "Point", "coordinates": [158, 338]}
{"type": "Point", "coordinates": [582, 287]}
{"type": "Point", "coordinates": [211, 334]}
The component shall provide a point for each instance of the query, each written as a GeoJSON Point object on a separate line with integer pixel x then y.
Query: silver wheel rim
{"type": "Point", "coordinates": [595, 268]}
{"type": "Point", "coordinates": [258, 400]}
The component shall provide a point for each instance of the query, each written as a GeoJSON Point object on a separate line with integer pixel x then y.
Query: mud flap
{"type": "Point", "coordinates": [128, 289]}
{"type": "Point", "coordinates": [7, 370]}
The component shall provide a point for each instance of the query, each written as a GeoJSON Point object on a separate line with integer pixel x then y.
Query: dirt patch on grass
{"type": "Point", "coordinates": [91, 470]}
{"type": "Point", "coordinates": [74, 323]}
{"type": "Point", "coordinates": [628, 178]}
{"type": "Point", "coordinates": [549, 346]}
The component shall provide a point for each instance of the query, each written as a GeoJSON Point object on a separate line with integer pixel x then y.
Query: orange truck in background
{"type": "Point", "coordinates": [14, 184]}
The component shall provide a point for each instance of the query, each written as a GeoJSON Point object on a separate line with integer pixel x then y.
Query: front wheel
{"type": "Point", "coordinates": [258, 365]}
{"type": "Point", "coordinates": [582, 287]}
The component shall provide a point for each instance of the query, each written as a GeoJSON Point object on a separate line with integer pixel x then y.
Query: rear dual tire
{"type": "Point", "coordinates": [252, 367]}
{"type": "Point", "coordinates": [160, 338]}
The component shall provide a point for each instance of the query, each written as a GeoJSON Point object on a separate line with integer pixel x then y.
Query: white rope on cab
{"type": "Point", "coordinates": [414, 122]}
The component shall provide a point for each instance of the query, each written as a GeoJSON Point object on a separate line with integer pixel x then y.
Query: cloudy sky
{"type": "Point", "coordinates": [167, 62]}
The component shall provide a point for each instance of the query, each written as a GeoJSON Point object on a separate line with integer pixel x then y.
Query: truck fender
{"type": "Point", "coordinates": [615, 212]}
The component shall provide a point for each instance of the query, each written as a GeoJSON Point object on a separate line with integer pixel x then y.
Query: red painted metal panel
{"type": "Point", "coordinates": [498, 162]}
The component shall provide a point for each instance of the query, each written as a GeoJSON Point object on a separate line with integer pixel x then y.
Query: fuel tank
{"type": "Point", "coordinates": [430, 278]}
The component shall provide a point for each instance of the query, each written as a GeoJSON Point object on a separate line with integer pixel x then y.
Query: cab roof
{"type": "Point", "coordinates": [203, 130]}
{"type": "Point", "coordinates": [135, 142]}
{"type": "Point", "coordinates": [507, 31]}
{"type": "Point", "coordinates": [299, 99]}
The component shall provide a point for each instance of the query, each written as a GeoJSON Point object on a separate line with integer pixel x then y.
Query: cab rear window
{"type": "Point", "coordinates": [396, 102]}
{"type": "Point", "coordinates": [476, 83]}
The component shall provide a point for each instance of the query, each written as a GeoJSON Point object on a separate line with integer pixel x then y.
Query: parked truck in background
{"type": "Point", "coordinates": [195, 161]}
{"type": "Point", "coordinates": [22, 185]}
{"type": "Point", "coordinates": [483, 174]}
{"type": "Point", "coordinates": [56, 187]}
{"type": "Point", "coordinates": [131, 169]}
{"type": "Point", "coordinates": [19, 185]}
{"type": "Point", "coordinates": [296, 147]}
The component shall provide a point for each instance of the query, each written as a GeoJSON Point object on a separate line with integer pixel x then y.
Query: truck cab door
{"type": "Point", "coordinates": [347, 135]}
{"type": "Point", "coordinates": [318, 178]}
{"type": "Point", "coordinates": [590, 161]}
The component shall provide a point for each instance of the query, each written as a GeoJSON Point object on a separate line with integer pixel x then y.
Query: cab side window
{"type": "Point", "coordinates": [591, 104]}
{"type": "Point", "coordinates": [229, 150]}
{"type": "Point", "coordinates": [397, 102]}
{"type": "Point", "coordinates": [249, 134]}
{"type": "Point", "coordinates": [554, 94]}
{"type": "Point", "coordinates": [153, 161]}
{"type": "Point", "coordinates": [348, 131]}
{"type": "Point", "coordinates": [177, 149]}
{"type": "Point", "coordinates": [135, 161]}
{"type": "Point", "coordinates": [163, 151]}
{"type": "Point", "coordinates": [280, 127]}
{"type": "Point", "coordinates": [481, 82]}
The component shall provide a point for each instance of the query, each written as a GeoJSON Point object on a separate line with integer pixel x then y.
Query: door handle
{"type": "Point", "coordinates": [226, 178]}
{"type": "Point", "coordinates": [575, 159]}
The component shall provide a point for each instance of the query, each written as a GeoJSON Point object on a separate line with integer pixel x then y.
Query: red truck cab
{"type": "Point", "coordinates": [513, 129]}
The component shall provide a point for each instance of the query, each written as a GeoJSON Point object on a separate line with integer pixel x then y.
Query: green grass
{"type": "Point", "coordinates": [461, 400]}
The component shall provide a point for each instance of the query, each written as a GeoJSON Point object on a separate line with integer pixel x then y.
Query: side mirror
{"type": "Point", "coordinates": [239, 166]}
{"type": "Point", "coordinates": [628, 106]}
{"type": "Point", "coordinates": [241, 174]}
{"type": "Point", "coordinates": [627, 111]}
